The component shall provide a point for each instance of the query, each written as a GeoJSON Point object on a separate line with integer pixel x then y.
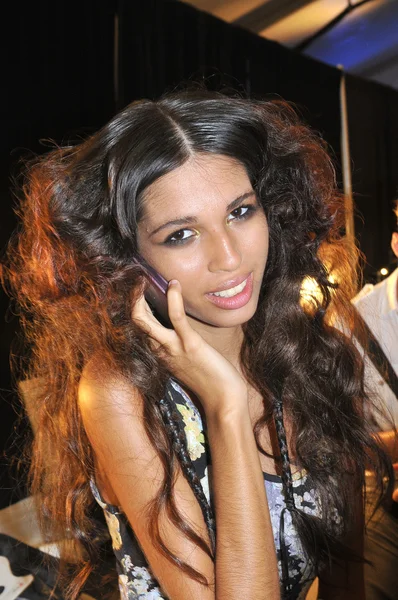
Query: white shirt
{"type": "Point", "coordinates": [378, 305]}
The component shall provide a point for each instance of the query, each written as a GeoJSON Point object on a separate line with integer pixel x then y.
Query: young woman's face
{"type": "Point", "coordinates": [202, 225]}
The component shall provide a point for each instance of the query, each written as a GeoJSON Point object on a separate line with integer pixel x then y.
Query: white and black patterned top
{"type": "Point", "coordinates": [136, 581]}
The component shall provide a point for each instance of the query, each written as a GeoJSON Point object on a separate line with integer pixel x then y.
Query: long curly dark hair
{"type": "Point", "coordinates": [71, 272]}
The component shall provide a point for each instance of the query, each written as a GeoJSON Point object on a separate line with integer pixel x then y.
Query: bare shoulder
{"type": "Point", "coordinates": [112, 411]}
{"type": "Point", "coordinates": [103, 389]}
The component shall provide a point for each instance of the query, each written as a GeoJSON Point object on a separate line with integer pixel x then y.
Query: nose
{"type": "Point", "coordinates": [224, 254]}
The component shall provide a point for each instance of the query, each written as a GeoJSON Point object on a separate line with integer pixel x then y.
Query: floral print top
{"type": "Point", "coordinates": [136, 581]}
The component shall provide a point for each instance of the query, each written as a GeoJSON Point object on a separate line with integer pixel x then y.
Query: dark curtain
{"type": "Point", "coordinates": [164, 43]}
{"type": "Point", "coordinates": [59, 86]}
{"type": "Point", "coordinates": [312, 86]}
{"type": "Point", "coordinates": [373, 131]}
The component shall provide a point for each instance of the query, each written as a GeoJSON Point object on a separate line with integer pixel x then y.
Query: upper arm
{"type": "Point", "coordinates": [112, 414]}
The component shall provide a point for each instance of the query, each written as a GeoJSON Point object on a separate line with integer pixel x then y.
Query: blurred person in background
{"type": "Point", "coordinates": [378, 306]}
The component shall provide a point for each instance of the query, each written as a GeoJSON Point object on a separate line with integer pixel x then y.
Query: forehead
{"type": "Point", "coordinates": [205, 181]}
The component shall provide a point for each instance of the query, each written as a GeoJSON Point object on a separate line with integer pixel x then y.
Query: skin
{"type": "Point", "coordinates": [203, 351]}
{"type": "Point", "coordinates": [219, 247]}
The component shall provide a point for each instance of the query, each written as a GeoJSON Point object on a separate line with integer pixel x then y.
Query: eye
{"type": "Point", "coordinates": [242, 212]}
{"type": "Point", "coordinates": [179, 237]}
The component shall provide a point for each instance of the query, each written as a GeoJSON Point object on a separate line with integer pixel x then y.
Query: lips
{"type": "Point", "coordinates": [231, 283]}
{"type": "Point", "coordinates": [237, 301]}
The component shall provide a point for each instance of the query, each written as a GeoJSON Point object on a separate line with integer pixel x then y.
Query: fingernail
{"type": "Point", "coordinates": [173, 282]}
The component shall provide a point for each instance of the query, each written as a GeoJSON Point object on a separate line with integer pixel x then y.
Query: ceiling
{"type": "Point", "coordinates": [360, 35]}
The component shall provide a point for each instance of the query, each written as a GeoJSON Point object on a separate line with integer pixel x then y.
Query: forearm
{"type": "Point", "coordinates": [246, 564]}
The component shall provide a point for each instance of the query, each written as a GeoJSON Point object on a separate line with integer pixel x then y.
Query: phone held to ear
{"type": "Point", "coordinates": [156, 290]}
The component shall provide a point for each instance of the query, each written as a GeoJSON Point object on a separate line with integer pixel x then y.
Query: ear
{"type": "Point", "coordinates": [394, 243]}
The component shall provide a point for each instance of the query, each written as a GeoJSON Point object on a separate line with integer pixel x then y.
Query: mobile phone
{"type": "Point", "coordinates": [155, 292]}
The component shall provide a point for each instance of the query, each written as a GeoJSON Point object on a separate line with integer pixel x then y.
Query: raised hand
{"type": "Point", "coordinates": [191, 359]}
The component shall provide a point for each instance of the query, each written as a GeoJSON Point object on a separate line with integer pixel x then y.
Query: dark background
{"type": "Point", "coordinates": [60, 75]}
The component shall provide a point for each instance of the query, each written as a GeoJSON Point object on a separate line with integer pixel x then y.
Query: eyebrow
{"type": "Point", "coordinates": [190, 220]}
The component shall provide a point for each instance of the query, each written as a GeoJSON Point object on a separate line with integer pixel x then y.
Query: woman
{"type": "Point", "coordinates": [227, 449]}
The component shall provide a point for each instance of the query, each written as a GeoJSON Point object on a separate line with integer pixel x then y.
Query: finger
{"type": "Point", "coordinates": [176, 309]}
{"type": "Point", "coordinates": [144, 317]}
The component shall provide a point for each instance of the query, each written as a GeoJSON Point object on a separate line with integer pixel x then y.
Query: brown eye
{"type": "Point", "coordinates": [242, 212]}
{"type": "Point", "coordinates": [179, 237]}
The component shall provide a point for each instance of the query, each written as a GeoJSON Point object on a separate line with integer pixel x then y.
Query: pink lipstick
{"type": "Point", "coordinates": [238, 300]}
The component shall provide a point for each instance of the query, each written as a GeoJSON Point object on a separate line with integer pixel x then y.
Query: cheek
{"type": "Point", "coordinates": [188, 269]}
{"type": "Point", "coordinates": [257, 241]}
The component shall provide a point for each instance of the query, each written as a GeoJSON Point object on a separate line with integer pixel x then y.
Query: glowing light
{"type": "Point", "coordinates": [311, 293]}
{"type": "Point", "coordinates": [383, 271]}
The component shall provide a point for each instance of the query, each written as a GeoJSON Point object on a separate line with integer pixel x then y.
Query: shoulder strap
{"type": "Point", "coordinates": [378, 357]}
